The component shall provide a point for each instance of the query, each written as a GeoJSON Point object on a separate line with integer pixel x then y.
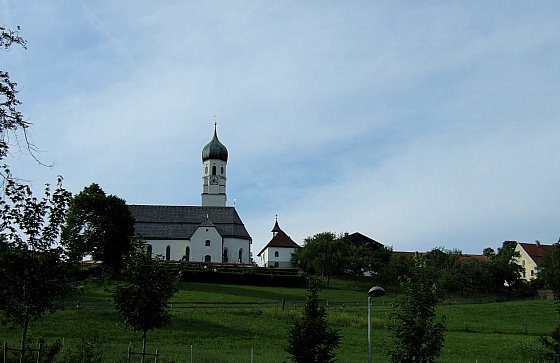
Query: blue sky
{"type": "Point", "coordinates": [419, 124]}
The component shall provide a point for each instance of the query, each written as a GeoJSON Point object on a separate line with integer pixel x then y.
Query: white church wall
{"type": "Point", "coordinates": [234, 245]}
{"type": "Point", "coordinates": [200, 248]}
{"type": "Point", "coordinates": [176, 248]}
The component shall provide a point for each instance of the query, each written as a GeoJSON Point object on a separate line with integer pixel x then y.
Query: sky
{"type": "Point", "coordinates": [419, 124]}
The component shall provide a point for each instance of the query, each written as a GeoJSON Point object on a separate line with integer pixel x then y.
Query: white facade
{"type": "Point", "coordinates": [278, 252]}
{"type": "Point", "coordinates": [277, 257]}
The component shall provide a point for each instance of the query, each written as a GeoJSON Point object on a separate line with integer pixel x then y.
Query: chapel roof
{"type": "Point", "coordinates": [215, 149]}
{"type": "Point", "coordinates": [180, 222]}
{"type": "Point", "coordinates": [282, 240]}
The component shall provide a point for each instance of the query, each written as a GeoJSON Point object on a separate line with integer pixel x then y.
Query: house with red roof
{"type": "Point", "coordinates": [278, 252]}
{"type": "Point", "coordinates": [530, 256]}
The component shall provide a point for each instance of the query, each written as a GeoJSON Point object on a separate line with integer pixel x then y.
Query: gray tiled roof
{"type": "Point", "coordinates": [180, 222]}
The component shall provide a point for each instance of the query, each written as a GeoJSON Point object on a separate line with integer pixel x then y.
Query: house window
{"type": "Point", "coordinates": [222, 170]}
{"type": "Point", "coordinates": [240, 256]}
{"type": "Point", "coordinates": [149, 251]}
{"type": "Point", "coordinates": [187, 253]}
{"type": "Point", "coordinates": [207, 243]}
{"type": "Point", "coordinates": [276, 254]}
{"type": "Point", "coordinates": [276, 264]}
{"type": "Point", "coordinates": [214, 170]}
{"type": "Point", "coordinates": [532, 273]}
{"type": "Point", "coordinates": [207, 258]}
{"type": "Point", "coordinates": [523, 263]}
{"type": "Point", "coordinates": [168, 253]}
{"type": "Point", "coordinates": [226, 257]}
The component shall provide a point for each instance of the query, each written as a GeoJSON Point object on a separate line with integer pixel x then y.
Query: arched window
{"type": "Point", "coordinates": [168, 253]}
{"type": "Point", "coordinates": [187, 253]}
{"type": "Point", "coordinates": [214, 170]}
{"type": "Point", "coordinates": [149, 250]}
{"type": "Point", "coordinates": [207, 258]}
{"type": "Point", "coordinates": [226, 257]}
{"type": "Point", "coordinates": [207, 243]}
{"type": "Point", "coordinates": [240, 256]}
{"type": "Point", "coordinates": [276, 264]}
{"type": "Point", "coordinates": [206, 170]}
{"type": "Point", "coordinates": [276, 254]}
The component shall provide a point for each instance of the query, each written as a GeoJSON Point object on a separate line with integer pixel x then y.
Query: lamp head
{"type": "Point", "coordinates": [376, 291]}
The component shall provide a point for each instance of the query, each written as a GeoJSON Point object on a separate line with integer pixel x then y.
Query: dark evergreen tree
{"type": "Point", "coordinates": [310, 339]}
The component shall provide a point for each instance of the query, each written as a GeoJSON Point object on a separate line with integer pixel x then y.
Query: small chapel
{"type": "Point", "coordinates": [209, 233]}
{"type": "Point", "coordinates": [278, 252]}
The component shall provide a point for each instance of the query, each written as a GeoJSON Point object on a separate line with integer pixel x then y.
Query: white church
{"type": "Point", "coordinates": [210, 233]}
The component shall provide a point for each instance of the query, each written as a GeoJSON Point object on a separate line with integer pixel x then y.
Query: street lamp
{"type": "Point", "coordinates": [375, 291]}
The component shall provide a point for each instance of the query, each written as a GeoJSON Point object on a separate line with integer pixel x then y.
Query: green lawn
{"type": "Point", "coordinates": [218, 332]}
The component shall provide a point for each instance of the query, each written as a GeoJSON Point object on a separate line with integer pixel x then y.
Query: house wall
{"type": "Point", "coordinates": [269, 259]}
{"type": "Point", "coordinates": [529, 266]}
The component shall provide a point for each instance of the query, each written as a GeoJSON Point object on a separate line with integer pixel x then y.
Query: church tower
{"type": "Point", "coordinates": [214, 161]}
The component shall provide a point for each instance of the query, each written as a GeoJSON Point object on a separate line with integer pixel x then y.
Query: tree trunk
{"type": "Point", "coordinates": [143, 347]}
{"type": "Point", "coordinates": [24, 335]}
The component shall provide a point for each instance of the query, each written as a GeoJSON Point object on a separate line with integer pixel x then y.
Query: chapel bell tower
{"type": "Point", "coordinates": [214, 161]}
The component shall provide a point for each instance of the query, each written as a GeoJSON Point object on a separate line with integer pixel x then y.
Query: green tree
{"type": "Point", "coordinates": [549, 271]}
{"type": "Point", "coordinates": [489, 252]}
{"type": "Point", "coordinates": [31, 266]}
{"type": "Point", "coordinates": [100, 225]}
{"type": "Point", "coordinates": [310, 340]}
{"type": "Point", "coordinates": [416, 334]}
{"type": "Point", "coordinates": [470, 275]}
{"type": "Point", "coordinates": [399, 266]}
{"type": "Point", "coordinates": [505, 269]}
{"type": "Point", "coordinates": [358, 259]}
{"type": "Point", "coordinates": [324, 254]}
{"type": "Point", "coordinates": [143, 299]}
{"type": "Point", "coordinates": [12, 122]}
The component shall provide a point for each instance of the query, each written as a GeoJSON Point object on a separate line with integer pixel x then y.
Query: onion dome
{"type": "Point", "coordinates": [215, 149]}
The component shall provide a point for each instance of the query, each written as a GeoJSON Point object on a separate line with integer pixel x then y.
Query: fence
{"type": "Point", "coordinates": [143, 355]}
{"type": "Point", "coordinates": [6, 352]}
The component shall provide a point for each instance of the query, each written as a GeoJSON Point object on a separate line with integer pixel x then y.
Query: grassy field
{"type": "Point", "coordinates": [225, 323]}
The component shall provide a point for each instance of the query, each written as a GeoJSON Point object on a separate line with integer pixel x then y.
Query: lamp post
{"type": "Point", "coordinates": [375, 291]}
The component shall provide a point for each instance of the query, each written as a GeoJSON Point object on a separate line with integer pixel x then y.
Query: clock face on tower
{"type": "Point", "coordinates": [213, 180]}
